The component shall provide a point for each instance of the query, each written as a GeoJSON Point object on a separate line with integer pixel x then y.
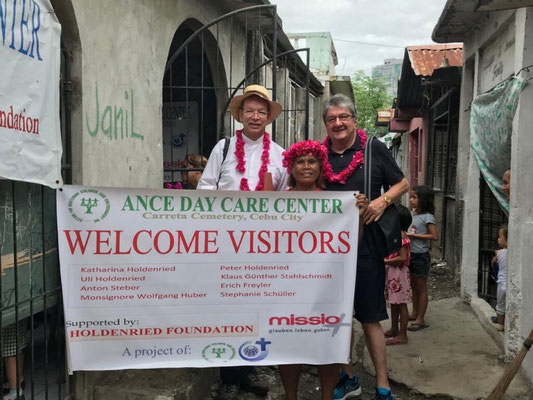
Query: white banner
{"type": "Point", "coordinates": [30, 134]}
{"type": "Point", "coordinates": [179, 278]}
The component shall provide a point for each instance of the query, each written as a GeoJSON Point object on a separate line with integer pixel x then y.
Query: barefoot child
{"type": "Point", "coordinates": [501, 259]}
{"type": "Point", "coordinates": [398, 284]}
{"type": "Point", "coordinates": [304, 162]}
{"type": "Point", "coordinates": [421, 232]}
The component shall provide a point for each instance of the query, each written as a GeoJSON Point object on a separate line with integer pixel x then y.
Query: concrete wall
{"type": "Point", "coordinates": [450, 234]}
{"type": "Point", "coordinates": [122, 68]}
{"type": "Point", "coordinates": [520, 274]}
{"type": "Point", "coordinates": [118, 51]}
{"type": "Point", "coordinates": [482, 37]}
{"type": "Point", "coordinates": [500, 45]}
{"type": "Point", "coordinates": [436, 246]}
{"type": "Point", "coordinates": [497, 58]}
{"type": "Point", "coordinates": [467, 191]}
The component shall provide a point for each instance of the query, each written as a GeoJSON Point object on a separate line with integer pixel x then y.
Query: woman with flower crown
{"type": "Point", "coordinates": [304, 162]}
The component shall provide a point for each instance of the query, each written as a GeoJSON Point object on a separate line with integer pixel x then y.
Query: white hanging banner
{"type": "Point", "coordinates": [179, 278]}
{"type": "Point", "coordinates": [30, 134]}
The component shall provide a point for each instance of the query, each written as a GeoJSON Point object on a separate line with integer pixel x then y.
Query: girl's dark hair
{"type": "Point", "coordinates": [504, 229]}
{"type": "Point", "coordinates": [405, 217]}
{"type": "Point", "coordinates": [425, 199]}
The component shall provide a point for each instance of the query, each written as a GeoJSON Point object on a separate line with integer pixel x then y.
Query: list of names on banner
{"type": "Point", "coordinates": [228, 283]}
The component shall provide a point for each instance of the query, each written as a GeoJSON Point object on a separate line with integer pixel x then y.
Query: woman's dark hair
{"type": "Point", "coordinates": [319, 182]}
{"type": "Point", "coordinates": [425, 199]}
{"type": "Point", "coordinates": [405, 217]}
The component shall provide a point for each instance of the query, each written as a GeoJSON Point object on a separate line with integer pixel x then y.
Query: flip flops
{"type": "Point", "coordinates": [393, 341]}
{"type": "Point", "coordinates": [417, 327]}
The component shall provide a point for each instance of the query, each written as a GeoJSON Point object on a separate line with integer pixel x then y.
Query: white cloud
{"type": "Point", "coordinates": [388, 22]}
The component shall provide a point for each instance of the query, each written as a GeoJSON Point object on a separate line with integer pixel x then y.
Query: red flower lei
{"type": "Point", "coordinates": [239, 153]}
{"type": "Point", "coordinates": [349, 170]}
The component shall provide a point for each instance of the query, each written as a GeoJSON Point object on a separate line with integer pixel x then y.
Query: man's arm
{"type": "Point", "coordinates": [376, 208]}
{"type": "Point", "coordinates": [211, 172]}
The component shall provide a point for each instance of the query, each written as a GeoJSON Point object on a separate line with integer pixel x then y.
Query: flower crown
{"type": "Point", "coordinates": [176, 185]}
{"type": "Point", "coordinates": [304, 148]}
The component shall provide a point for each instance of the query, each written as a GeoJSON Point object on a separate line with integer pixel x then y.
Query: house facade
{"type": "Point", "coordinates": [426, 114]}
{"type": "Point", "coordinates": [143, 84]}
{"type": "Point", "coordinates": [498, 45]}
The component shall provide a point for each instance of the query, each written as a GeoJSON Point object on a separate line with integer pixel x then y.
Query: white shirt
{"type": "Point", "coordinates": [502, 267]}
{"type": "Point", "coordinates": [230, 178]}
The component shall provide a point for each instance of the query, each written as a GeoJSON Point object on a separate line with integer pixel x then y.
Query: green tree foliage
{"type": "Point", "coordinates": [370, 96]}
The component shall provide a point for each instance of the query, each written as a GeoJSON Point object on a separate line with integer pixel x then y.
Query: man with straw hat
{"type": "Point", "coordinates": [244, 161]}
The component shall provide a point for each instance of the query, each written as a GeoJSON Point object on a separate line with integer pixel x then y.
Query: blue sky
{"type": "Point", "coordinates": [387, 22]}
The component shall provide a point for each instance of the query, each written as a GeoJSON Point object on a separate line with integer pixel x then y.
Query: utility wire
{"type": "Point", "coordinates": [369, 44]}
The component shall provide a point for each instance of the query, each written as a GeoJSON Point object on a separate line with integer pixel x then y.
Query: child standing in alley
{"type": "Point", "coordinates": [421, 232]}
{"type": "Point", "coordinates": [398, 284]}
{"type": "Point", "coordinates": [501, 259]}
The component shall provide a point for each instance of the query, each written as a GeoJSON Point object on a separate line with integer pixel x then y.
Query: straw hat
{"type": "Point", "coordinates": [254, 90]}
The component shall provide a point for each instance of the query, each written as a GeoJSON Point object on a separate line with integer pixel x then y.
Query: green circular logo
{"type": "Point", "coordinates": [89, 205]}
{"type": "Point", "coordinates": [218, 352]}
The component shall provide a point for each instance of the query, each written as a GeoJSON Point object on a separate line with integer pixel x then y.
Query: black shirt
{"type": "Point", "coordinates": [385, 173]}
{"type": "Point", "coordinates": [385, 170]}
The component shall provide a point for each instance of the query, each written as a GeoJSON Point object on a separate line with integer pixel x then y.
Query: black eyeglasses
{"type": "Point", "coordinates": [342, 118]}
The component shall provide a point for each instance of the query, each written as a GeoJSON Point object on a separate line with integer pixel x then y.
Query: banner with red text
{"type": "Point", "coordinates": [179, 278]}
{"type": "Point", "coordinates": [30, 132]}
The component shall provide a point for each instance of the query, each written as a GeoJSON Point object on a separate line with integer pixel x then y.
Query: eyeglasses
{"type": "Point", "coordinates": [260, 113]}
{"type": "Point", "coordinates": [342, 118]}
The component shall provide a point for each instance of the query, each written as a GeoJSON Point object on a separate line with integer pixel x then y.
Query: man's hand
{"type": "Point", "coordinates": [375, 210]}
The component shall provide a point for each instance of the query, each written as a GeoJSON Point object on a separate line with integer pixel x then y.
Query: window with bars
{"type": "Point", "coordinates": [31, 314]}
{"type": "Point", "coordinates": [444, 128]}
{"type": "Point", "coordinates": [491, 218]}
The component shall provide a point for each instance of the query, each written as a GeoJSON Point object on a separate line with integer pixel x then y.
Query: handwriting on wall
{"type": "Point", "coordinates": [114, 121]}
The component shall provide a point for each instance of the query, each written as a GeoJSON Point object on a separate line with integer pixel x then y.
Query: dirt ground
{"type": "Point", "coordinates": [265, 383]}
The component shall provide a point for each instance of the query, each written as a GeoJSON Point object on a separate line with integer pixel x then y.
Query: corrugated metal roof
{"type": "Point", "coordinates": [426, 59]}
{"type": "Point", "coordinates": [422, 63]}
{"type": "Point", "coordinates": [460, 16]}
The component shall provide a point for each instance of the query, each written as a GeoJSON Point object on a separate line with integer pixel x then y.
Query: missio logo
{"type": "Point", "coordinates": [321, 319]}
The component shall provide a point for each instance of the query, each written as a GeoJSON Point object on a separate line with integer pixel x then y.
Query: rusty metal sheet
{"type": "Point", "coordinates": [426, 59]}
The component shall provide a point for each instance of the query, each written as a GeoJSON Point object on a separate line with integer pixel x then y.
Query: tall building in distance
{"type": "Point", "coordinates": [322, 56]}
{"type": "Point", "coordinates": [389, 73]}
